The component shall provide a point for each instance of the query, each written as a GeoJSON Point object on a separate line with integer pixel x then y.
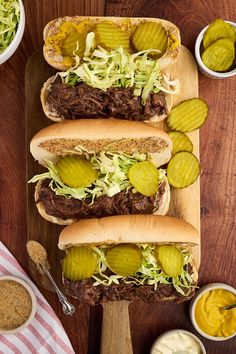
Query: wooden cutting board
{"type": "Point", "coordinates": [185, 203]}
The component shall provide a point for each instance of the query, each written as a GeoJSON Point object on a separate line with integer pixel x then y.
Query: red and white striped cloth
{"type": "Point", "coordinates": [45, 334]}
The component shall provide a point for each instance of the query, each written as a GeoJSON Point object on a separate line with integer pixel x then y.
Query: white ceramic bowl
{"type": "Point", "coordinates": [190, 334]}
{"type": "Point", "coordinates": [33, 300]}
{"type": "Point", "coordinates": [194, 301]}
{"type": "Point", "coordinates": [202, 67]}
{"type": "Point", "coordinates": [10, 50]}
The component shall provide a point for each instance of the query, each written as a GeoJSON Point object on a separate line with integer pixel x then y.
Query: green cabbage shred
{"type": "Point", "coordinates": [149, 272]}
{"type": "Point", "coordinates": [9, 19]}
{"type": "Point", "coordinates": [112, 176]}
{"type": "Point", "coordinates": [103, 69]}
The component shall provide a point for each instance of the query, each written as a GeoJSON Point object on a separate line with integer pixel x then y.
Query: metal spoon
{"type": "Point", "coordinates": [38, 255]}
{"type": "Point", "coordinates": [228, 307]}
{"type": "Point", "coordinates": [67, 307]}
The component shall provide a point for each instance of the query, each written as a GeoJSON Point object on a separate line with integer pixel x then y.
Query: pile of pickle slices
{"type": "Point", "coordinates": [71, 38]}
{"type": "Point", "coordinates": [219, 46]}
{"type": "Point", "coordinates": [123, 259]}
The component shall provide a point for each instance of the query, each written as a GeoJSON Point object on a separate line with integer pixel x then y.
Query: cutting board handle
{"type": "Point", "coordinates": [116, 338]}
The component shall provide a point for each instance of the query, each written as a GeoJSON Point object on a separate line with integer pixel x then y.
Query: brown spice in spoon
{"type": "Point", "coordinates": [37, 253]}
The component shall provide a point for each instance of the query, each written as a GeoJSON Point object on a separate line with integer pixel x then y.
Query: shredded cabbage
{"type": "Point", "coordinates": [9, 19]}
{"type": "Point", "coordinates": [102, 69]}
{"type": "Point", "coordinates": [112, 171]}
{"type": "Point", "coordinates": [149, 272]}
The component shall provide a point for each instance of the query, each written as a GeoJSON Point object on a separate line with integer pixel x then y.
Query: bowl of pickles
{"type": "Point", "coordinates": [215, 49]}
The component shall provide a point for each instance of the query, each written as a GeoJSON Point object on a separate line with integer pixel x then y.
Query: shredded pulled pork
{"type": "Point", "coordinates": [83, 101]}
{"type": "Point", "coordinates": [122, 203]}
{"type": "Point", "coordinates": [86, 292]}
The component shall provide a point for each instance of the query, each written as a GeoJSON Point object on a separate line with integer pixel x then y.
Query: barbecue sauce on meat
{"type": "Point", "coordinates": [122, 203]}
{"type": "Point", "coordinates": [83, 101]}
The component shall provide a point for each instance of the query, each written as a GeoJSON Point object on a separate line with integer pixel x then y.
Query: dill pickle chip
{"type": "Point", "coordinates": [124, 260]}
{"type": "Point", "coordinates": [79, 263]}
{"type": "Point", "coordinates": [76, 172]}
{"type": "Point", "coordinates": [183, 169]}
{"type": "Point", "coordinates": [188, 115]}
{"type": "Point", "coordinates": [144, 176]}
{"type": "Point", "coordinates": [219, 56]}
{"type": "Point", "coordinates": [181, 142]}
{"type": "Point", "coordinates": [150, 35]}
{"type": "Point", "coordinates": [70, 43]}
{"type": "Point", "coordinates": [74, 34]}
{"type": "Point", "coordinates": [218, 29]}
{"type": "Point", "coordinates": [110, 36]}
{"type": "Point", "coordinates": [171, 260]}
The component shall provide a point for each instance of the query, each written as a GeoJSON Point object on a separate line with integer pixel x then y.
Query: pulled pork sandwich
{"type": "Point", "coordinates": [130, 257]}
{"type": "Point", "coordinates": [107, 83]}
{"type": "Point", "coordinates": [99, 168]}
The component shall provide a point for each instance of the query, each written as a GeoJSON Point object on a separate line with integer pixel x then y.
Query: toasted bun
{"type": "Point", "coordinates": [97, 135]}
{"type": "Point", "coordinates": [53, 115]}
{"type": "Point", "coordinates": [162, 209]}
{"type": "Point", "coordinates": [55, 59]}
{"type": "Point", "coordinates": [129, 229]}
{"type": "Point", "coordinates": [43, 213]}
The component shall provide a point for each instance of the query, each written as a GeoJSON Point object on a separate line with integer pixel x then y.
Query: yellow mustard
{"type": "Point", "coordinates": [65, 30]}
{"type": "Point", "coordinates": [211, 318]}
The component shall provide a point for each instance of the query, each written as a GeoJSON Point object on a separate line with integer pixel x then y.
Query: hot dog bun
{"type": "Point", "coordinates": [137, 230]}
{"type": "Point", "coordinates": [56, 59]}
{"type": "Point", "coordinates": [129, 229]}
{"type": "Point", "coordinates": [96, 135]}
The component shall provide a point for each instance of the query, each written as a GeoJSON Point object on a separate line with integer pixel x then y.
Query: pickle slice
{"type": "Point", "coordinates": [76, 172]}
{"type": "Point", "coordinates": [70, 43]}
{"type": "Point", "coordinates": [110, 36]}
{"type": "Point", "coordinates": [124, 260]}
{"type": "Point", "coordinates": [220, 55]}
{"type": "Point", "coordinates": [218, 29]}
{"type": "Point", "coordinates": [183, 169]}
{"type": "Point", "coordinates": [181, 142]}
{"type": "Point", "coordinates": [72, 34]}
{"type": "Point", "coordinates": [188, 115]}
{"type": "Point", "coordinates": [150, 35]}
{"type": "Point", "coordinates": [144, 176]}
{"type": "Point", "coordinates": [171, 260]}
{"type": "Point", "coordinates": [79, 263]}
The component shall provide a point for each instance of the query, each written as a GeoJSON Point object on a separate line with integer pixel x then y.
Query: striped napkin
{"type": "Point", "coordinates": [45, 334]}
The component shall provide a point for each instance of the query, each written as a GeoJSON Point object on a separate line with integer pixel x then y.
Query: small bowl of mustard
{"type": "Point", "coordinates": [17, 304]}
{"type": "Point", "coordinates": [207, 314]}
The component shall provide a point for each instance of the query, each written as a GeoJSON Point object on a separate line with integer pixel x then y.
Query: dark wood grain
{"type": "Point", "coordinates": [218, 159]}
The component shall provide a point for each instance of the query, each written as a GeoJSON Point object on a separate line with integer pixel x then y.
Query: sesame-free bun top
{"type": "Point", "coordinates": [128, 25]}
{"type": "Point", "coordinates": [96, 135]}
{"type": "Point", "coordinates": [129, 229]}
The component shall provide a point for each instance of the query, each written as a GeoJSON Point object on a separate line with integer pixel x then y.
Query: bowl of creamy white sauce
{"type": "Point", "coordinates": [178, 341]}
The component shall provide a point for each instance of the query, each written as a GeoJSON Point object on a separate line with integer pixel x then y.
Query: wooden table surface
{"type": "Point", "coordinates": [218, 161]}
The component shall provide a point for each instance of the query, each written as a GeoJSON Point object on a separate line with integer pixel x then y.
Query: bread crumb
{"type": "Point", "coordinates": [15, 304]}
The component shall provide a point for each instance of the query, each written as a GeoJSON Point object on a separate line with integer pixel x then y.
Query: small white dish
{"type": "Point", "coordinates": [202, 67]}
{"type": "Point", "coordinates": [194, 301]}
{"type": "Point", "coordinates": [174, 331]}
{"type": "Point", "coordinates": [33, 301]}
{"type": "Point", "coordinates": [10, 50]}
